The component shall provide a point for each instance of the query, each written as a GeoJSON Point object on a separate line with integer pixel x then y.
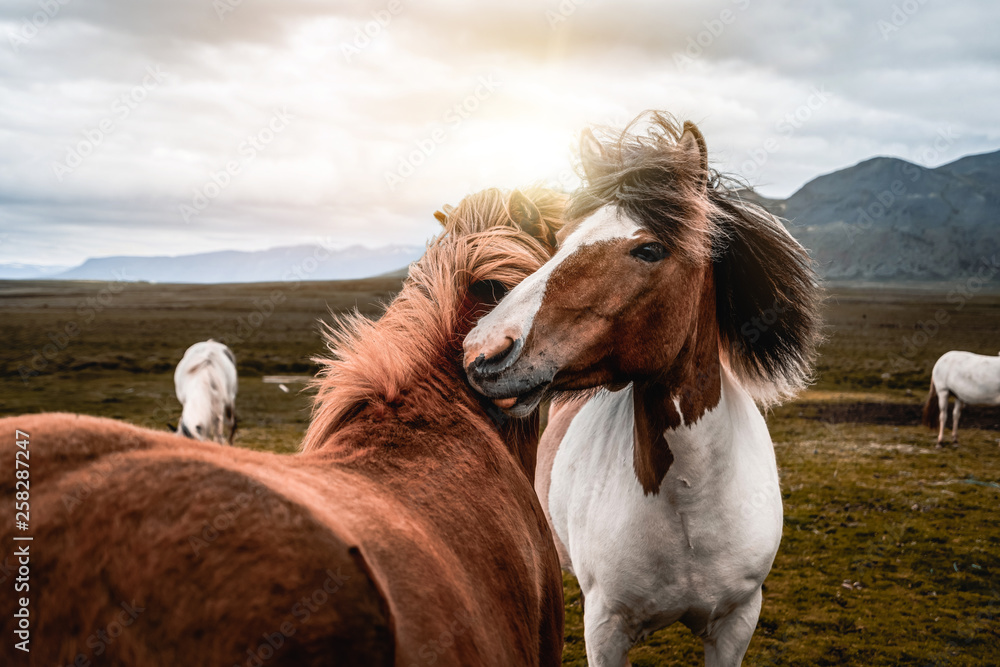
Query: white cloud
{"type": "Point", "coordinates": [360, 114]}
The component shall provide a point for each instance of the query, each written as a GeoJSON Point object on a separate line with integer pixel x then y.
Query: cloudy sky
{"type": "Point", "coordinates": [180, 126]}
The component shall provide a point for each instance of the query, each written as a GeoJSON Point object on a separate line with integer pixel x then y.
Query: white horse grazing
{"type": "Point", "coordinates": [683, 304]}
{"type": "Point", "coordinates": [205, 382]}
{"type": "Point", "coordinates": [973, 379]}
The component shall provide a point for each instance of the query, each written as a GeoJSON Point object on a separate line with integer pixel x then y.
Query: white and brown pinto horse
{"type": "Point", "coordinates": [973, 379]}
{"type": "Point", "coordinates": [684, 305]}
{"type": "Point", "coordinates": [205, 382]}
{"type": "Point", "coordinates": [406, 533]}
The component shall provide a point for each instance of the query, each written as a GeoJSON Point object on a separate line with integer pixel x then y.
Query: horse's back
{"type": "Point", "coordinates": [208, 356]}
{"type": "Point", "coordinates": [148, 553]}
{"type": "Point", "coordinates": [973, 378]}
{"type": "Point", "coordinates": [63, 442]}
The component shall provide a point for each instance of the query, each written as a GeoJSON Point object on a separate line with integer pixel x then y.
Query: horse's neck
{"type": "Point", "coordinates": [442, 403]}
{"type": "Point", "coordinates": [707, 454]}
{"type": "Point", "coordinates": [520, 436]}
{"type": "Point", "coordinates": [722, 450]}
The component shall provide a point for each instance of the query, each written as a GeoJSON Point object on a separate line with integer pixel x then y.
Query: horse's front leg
{"type": "Point", "coordinates": [607, 634]}
{"type": "Point", "coordinates": [726, 638]}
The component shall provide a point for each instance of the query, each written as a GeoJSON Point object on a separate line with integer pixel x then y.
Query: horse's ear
{"type": "Point", "coordinates": [526, 215]}
{"type": "Point", "coordinates": [692, 143]}
{"type": "Point", "coordinates": [767, 302]}
{"type": "Point", "coordinates": [441, 217]}
{"type": "Point", "coordinates": [654, 414]}
{"type": "Point", "coordinates": [592, 155]}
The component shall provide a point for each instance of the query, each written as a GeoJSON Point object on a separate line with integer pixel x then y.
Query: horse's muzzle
{"type": "Point", "coordinates": [512, 382]}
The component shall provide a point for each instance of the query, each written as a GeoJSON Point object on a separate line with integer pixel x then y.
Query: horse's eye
{"type": "Point", "coordinates": [650, 252]}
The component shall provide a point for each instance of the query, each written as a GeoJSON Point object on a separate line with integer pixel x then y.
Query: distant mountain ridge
{"type": "Point", "coordinates": [290, 263]}
{"type": "Point", "coordinates": [881, 220]}
{"type": "Point", "coordinates": [886, 219]}
{"type": "Point", "coordinates": [19, 271]}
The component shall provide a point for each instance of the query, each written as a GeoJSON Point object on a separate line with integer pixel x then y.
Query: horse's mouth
{"type": "Point", "coordinates": [523, 404]}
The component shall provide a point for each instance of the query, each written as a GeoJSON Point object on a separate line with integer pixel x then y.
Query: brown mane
{"type": "Point", "coordinates": [698, 213]}
{"type": "Point", "coordinates": [382, 359]}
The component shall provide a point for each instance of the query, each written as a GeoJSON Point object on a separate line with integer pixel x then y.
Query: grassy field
{"type": "Point", "coordinates": [891, 548]}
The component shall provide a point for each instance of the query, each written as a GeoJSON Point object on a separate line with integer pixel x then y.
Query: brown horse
{"type": "Point", "coordinates": [673, 306]}
{"type": "Point", "coordinates": [406, 533]}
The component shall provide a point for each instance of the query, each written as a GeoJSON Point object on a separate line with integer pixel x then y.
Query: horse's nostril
{"type": "Point", "coordinates": [501, 352]}
{"type": "Point", "coordinates": [495, 358]}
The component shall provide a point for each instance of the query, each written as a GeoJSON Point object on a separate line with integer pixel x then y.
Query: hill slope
{"type": "Point", "coordinates": [887, 219]}
{"type": "Point", "coordinates": [292, 263]}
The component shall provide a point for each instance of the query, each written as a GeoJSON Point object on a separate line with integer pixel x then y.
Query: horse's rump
{"type": "Point", "coordinates": [183, 547]}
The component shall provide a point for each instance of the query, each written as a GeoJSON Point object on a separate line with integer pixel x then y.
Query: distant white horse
{"type": "Point", "coordinates": [205, 382]}
{"type": "Point", "coordinates": [973, 379]}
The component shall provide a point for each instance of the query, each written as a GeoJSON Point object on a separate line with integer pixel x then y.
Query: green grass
{"type": "Point", "coordinates": [867, 497]}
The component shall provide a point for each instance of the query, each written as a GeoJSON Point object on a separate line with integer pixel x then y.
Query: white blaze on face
{"type": "Point", "coordinates": [513, 317]}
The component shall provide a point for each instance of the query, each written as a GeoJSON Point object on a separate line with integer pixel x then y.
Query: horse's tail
{"type": "Point", "coordinates": [931, 408]}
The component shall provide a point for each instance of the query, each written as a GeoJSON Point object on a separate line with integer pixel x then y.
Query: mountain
{"type": "Point", "coordinates": [887, 219]}
{"type": "Point", "coordinates": [291, 263]}
{"type": "Point", "coordinates": [28, 271]}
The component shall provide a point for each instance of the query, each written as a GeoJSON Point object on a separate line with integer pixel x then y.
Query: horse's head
{"type": "Point", "coordinates": [661, 273]}
{"type": "Point", "coordinates": [491, 241]}
{"type": "Point", "coordinates": [205, 415]}
{"type": "Point", "coordinates": [203, 419]}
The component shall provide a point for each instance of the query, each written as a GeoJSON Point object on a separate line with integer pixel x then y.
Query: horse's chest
{"type": "Point", "coordinates": [675, 551]}
{"type": "Point", "coordinates": [684, 550]}
{"type": "Point", "coordinates": [709, 535]}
